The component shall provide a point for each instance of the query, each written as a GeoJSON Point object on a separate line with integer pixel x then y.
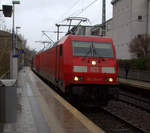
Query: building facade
{"type": "Point", "coordinates": [130, 19]}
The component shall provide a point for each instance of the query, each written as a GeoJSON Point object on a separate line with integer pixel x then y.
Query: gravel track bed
{"type": "Point", "coordinates": [132, 115]}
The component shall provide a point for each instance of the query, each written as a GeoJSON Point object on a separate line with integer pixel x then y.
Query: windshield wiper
{"type": "Point", "coordinates": [95, 53]}
{"type": "Point", "coordinates": [86, 54]}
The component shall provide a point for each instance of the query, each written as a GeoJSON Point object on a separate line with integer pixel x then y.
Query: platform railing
{"type": "Point", "coordinates": [135, 74]}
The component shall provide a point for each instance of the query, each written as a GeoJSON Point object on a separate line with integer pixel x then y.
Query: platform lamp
{"type": "Point", "coordinates": [7, 10]}
{"type": "Point", "coordinates": [14, 56]}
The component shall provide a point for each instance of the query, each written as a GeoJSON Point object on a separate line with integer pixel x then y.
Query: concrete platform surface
{"type": "Point", "coordinates": [41, 110]}
{"type": "Point", "coordinates": [135, 83]}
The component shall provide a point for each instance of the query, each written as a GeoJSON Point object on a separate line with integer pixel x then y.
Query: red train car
{"type": "Point", "coordinates": [83, 66]}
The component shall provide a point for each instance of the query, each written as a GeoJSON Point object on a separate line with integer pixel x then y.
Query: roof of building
{"type": "Point", "coordinates": [114, 1]}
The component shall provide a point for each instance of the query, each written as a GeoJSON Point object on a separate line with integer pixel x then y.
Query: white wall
{"type": "Point", "coordinates": [125, 24]}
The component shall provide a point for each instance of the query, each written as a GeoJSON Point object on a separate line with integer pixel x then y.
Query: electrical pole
{"type": "Point", "coordinates": [70, 19]}
{"type": "Point", "coordinates": [147, 17]}
{"type": "Point", "coordinates": [103, 18]}
{"type": "Point", "coordinates": [13, 55]}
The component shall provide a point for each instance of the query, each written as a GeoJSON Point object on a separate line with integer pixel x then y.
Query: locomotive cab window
{"type": "Point", "coordinates": [81, 48]}
{"type": "Point", "coordinates": [101, 49]}
{"type": "Point", "coordinates": [92, 49]}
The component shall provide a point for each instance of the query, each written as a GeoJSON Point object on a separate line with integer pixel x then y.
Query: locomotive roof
{"type": "Point", "coordinates": [83, 38]}
{"type": "Point", "coordinates": [79, 38]}
{"type": "Point", "coordinates": [89, 38]}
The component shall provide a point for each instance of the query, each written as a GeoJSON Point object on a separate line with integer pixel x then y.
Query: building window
{"type": "Point", "coordinates": [139, 17]}
{"type": "Point", "coordinates": [139, 36]}
{"type": "Point", "coordinates": [96, 32]}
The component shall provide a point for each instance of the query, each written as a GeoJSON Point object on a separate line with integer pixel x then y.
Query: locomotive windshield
{"type": "Point", "coordinates": [92, 49]}
{"type": "Point", "coordinates": [81, 48]}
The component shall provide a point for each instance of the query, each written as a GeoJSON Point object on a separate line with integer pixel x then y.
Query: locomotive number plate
{"type": "Point", "coordinates": [94, 69]}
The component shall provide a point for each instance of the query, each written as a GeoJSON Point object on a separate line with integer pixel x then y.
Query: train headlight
{"type": "Point", "coordinates": [76, 78]}
{"type": "Point", "coordinates": [110, 80]}
{"type": "Point", "coordinates": [93, 62]}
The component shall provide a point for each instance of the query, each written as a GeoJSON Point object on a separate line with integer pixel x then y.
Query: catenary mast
{"type": "Point", "coordinates": [103, 18]}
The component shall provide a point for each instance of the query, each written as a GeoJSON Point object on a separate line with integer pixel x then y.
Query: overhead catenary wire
{"type": "Point", "coordinates": [79, 11]}
{"type": "Point", "coordinates": [70, 8]}
{"type": "Point", "coordinates": [83, 9]}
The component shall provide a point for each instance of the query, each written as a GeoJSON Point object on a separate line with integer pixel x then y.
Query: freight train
{"type": "Point", "coordinates": [81, 67]}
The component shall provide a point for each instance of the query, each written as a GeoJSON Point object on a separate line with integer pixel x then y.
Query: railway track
{"type": "Point", "coordinates": [109, 122]}
{"type": "Point", "coordinates": [119, 117]}
{"type": "Point", "coordinates": [128, 124]}
{"type": "Point", "coordinates": [131, 113]}
{"type": "Point", "coordinates": [138, 102]}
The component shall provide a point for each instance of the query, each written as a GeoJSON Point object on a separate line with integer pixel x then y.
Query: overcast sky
{"type": "Point", "coordinates": [33, 16]}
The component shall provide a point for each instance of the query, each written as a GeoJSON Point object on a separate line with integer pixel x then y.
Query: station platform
{"type": "Point", "coordinates": [41, 110]}
{"type": "Point", "coordinates": [135, 83]}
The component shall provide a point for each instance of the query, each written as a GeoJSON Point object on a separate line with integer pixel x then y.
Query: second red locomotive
{"type": "Point", "coordinates": [82, 66]}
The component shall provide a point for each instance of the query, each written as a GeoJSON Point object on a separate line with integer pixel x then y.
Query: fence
{"type": "Point", "coordinates": [135, 74]}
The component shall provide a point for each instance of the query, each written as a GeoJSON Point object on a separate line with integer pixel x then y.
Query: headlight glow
{"type": "Point", "coordinates": [93, 62]}
{"type": "Point", "coordinates": [110, 80]}
{"type": "Point", "coordinates": [76, 78]}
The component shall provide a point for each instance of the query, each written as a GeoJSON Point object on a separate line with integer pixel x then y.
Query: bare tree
{"type": "Point", "coordinates": [140, 46]}
{"type": "Point", "coordinates": [28, 56]}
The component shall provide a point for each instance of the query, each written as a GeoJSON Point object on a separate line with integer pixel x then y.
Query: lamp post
{"type": "Point", "coordinates": [14, 57]}
{"type": "Point", "coordinates": [17, 36]}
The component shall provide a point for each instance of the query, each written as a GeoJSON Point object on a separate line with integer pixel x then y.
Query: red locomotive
{"type": "Point", "coordinates": [82, 66]}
